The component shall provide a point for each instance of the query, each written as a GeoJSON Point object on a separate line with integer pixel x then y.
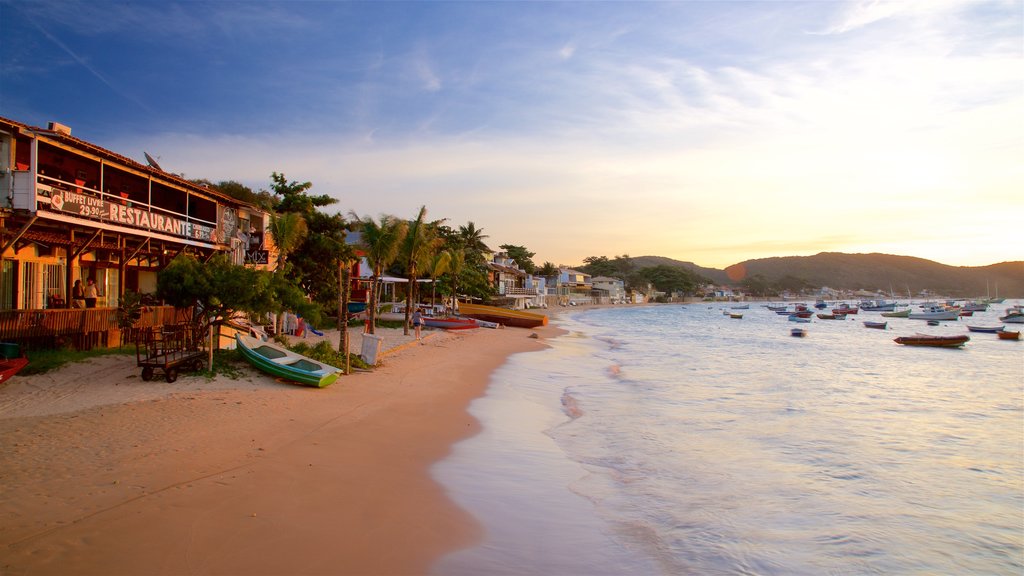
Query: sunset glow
{"type": "Point", "coordinates": [701, 131]}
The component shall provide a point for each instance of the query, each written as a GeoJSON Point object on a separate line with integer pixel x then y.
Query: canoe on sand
{"type": "Point", "coordinates": [279, 361]}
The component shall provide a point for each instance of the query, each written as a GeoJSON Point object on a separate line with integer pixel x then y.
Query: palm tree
{"type": "Point", "coordinates": [289, 230]}
{"type": "Point", "coordinates": [456, 262]}
{"type": "Point", "coordinates": [438, 265]}
{"type": "Point", "coordinates": [382, 241]}
{"type": "Point", "coordinates": [421, 243]}
{"type": "Point", "coordinates": [472, 239]}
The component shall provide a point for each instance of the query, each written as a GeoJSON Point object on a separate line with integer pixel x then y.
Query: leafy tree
{"type": "Point", "coordinates": [548, 269]}
{"type": "Point", "coordinates": [440, 262]}
{"type": "Point", "coordinates": [289, 231]}
{"type": "Point", "coordinates": [292, 196]}
{"type": "Point", "coordinates": [381, 241]}
{"type": "Point", "coordinates": [218, 289]}
{"type": "Point", "coordinates": [599, 266]}
{"type": "Point", "coordinates": [417, 247]}
{"type": "Point", "coordinates": [522, 256]}
{"type": "Point", "coordinates": [472, 239]}
{"type": "Point", "coordinates": [756, 284]}
{"type": "Point", "coordinates": [670, 279]}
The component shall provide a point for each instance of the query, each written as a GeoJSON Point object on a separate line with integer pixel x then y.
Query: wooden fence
{"type": "Point", "coordinates": [81, 328]}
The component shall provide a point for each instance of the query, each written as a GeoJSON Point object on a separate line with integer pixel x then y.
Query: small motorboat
{"type": "Point", "coordinates": [735, 315]}
{"type": "Point", "coordinates": [799, 318]}
{"type": "Point", "coordinates": [279, 361]}
{"type": "Point", "coordinates": [897, 313]}
{"type": "Point", "coordinates": [798, 332]}
{"type": "Point", "coordinates": [935, 313]}
{"type": "Point", "coordinates": [1008, 335]}
{"type": "Point", "coordinates": [876, 325]}
{"type": "Point", "coordinates": [936, 341]}
{"type": "Point", "coordinates": [845, 309]}
{"type": "Point", "coordinates": [1014, 315]}
{"type": "Point", "coordinates": [832, 316]}
{"type": "Point", "coordinates": [986, 329]}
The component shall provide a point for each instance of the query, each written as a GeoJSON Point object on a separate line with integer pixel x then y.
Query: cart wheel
{"type": "Point", "coordinates": [147, 373]}
{"type": "Point", "coordinates": [171, 374]}
{"type": "Point", "coordinates": [197, 365]}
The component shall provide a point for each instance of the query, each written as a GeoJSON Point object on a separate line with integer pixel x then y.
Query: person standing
{"type": "Point", "coordinates": [77, 295]}
{"type": "Point", "coordinates": [417, 321]}
{"type": "Point", "coordinates": [91, 293]}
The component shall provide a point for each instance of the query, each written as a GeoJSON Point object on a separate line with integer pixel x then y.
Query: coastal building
{"type": "Point", "coordinates": [613, 287]}
{"type": "Point", "coordinates": [574, 287]}
{"type": "Point", "coordinates": [515, 285]}
{"type": "Point", "coordinates": [73, 211]}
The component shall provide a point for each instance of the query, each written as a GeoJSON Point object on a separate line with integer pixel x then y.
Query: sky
{"type": "Point", "coordinates": [708, 132]}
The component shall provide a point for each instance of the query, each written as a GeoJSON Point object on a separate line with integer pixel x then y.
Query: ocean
{"type": "Point", "coordinates": [674, 439]}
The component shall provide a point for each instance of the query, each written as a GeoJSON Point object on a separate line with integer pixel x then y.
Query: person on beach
{"type": "Point", "coordinates": [417, 321]}
{"type": "Point", "coordinates": [77, 295]}
{"type": "Point", "coordinates": [91, 293]}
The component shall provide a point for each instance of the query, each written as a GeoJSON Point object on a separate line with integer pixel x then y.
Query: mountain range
{"type": "Point", "coordinates": [885, 273]}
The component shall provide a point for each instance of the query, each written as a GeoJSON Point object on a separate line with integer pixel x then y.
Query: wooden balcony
{"type": "Point", "coordinates": [81, 328]}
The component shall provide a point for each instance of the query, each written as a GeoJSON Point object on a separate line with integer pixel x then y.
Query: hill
{"type": "Point", "coordinates": [874, 272]}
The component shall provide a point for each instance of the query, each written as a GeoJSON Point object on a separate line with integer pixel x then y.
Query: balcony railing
{"type": "Point", "coordinates": [84, 328]}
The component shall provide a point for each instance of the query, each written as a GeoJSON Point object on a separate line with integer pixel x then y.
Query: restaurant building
{"type": "Point", "coordinates": [71, 210]}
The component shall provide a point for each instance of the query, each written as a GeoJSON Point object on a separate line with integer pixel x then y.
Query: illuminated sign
{"type": "Point", "coordinates": [92, 207]}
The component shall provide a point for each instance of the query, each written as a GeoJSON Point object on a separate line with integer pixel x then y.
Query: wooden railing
{"type": "Point", "coordinates": [84, 328]}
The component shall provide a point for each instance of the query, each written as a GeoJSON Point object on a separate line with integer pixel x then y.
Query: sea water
{"type": "Point", "coordinates": [678, 440]}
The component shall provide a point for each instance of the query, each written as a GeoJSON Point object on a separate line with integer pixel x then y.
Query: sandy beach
{"type": "Point", "coordinates": [103, 473]}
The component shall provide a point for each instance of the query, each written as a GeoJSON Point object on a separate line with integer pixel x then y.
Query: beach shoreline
{"type": "Point", "coordinates": [106, 474]}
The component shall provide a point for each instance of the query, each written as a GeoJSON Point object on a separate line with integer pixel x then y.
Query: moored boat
{"type": "Point", "coordinates": [736, 315]}
{"type": "Point", "coordinates": [877, 306]}
{"type": "Point", "coordinates": [506, 316]}
{"type": "Point", "coordinates": [934, 313]}
{"type": "Point", "coordinates": [277, 360]}
{"type": "Point", "coordinates": [936, 341]}
{"type": "Point", "coordinates": [798, 318]}
{"type": "Point", "coordinates": [845, 309]}
{"type": "Point", "coordinates": [1008, 335]}
{"type": "Point", "coordinates": [798, 332]}
{"type": "Point", "coordinates": [876, 325]}
{"type": "Point", "coordinates": [897, 313]}
{"type": "Point", "coordinates": [1014, 315]}
{"type": "Point", "coordinates": [987, 329]}
{"type": "Point", "coordinates": [832, 316]}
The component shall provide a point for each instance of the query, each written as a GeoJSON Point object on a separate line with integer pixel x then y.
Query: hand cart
{"type": "Point", "coordinates": [170, 348]}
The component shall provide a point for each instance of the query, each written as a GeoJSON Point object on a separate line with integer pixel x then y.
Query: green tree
{"type": "Point", "coordinates": [417, 247]}
{"type": "Point", "coordinates": [381, 242]}
{"type": "Point", "coordinates": [440, 263]}
{"type": "Point", "coordinates": [548, 269]}
{"type": "Point", "coordinates": [671, 279]}
{"type": "Point", "coordinates": [289, 231]}
{"type": "Point", "coordinates": [218, 289]}
{"type": "Point", "coordinates": [522, 256]}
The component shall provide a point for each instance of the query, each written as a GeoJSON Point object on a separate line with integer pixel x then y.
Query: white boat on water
{"type": "Point", "coordinates": [1014, 315]}
{"type": "Point", "coordinates": [934, 313]}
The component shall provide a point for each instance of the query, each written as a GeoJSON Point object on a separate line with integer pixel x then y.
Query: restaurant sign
{"type": "Point", "coordinates": [93, 207]}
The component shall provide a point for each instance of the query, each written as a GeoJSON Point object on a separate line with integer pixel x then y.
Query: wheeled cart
{"type": "Point", "coordinates": [170, 348]}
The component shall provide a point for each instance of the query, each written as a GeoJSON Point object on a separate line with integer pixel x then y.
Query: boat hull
{"type": "Point", "coordinates": [517, 318]}
{"type": "Point", "coordinates": [10, 367]}
{"type": "Point", "coordinates": [1008, 335]}
{"type": "Point", "coordinates": [986, 329]}
{"type": "Point", "coordinates": [934, 341]}
{"type": "Point", "coordinates": [451, 323]}
{"type": "Point", "coordinates": [283, 363]}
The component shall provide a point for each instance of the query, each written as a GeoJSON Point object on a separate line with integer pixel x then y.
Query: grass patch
{"type": "Point", "coordinates": [326, 353]}
{"type": "Point", "coordinates": [42, 361]}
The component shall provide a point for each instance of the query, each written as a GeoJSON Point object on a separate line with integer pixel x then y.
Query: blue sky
{"type": "Point", "coordinates": [711, 132]}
